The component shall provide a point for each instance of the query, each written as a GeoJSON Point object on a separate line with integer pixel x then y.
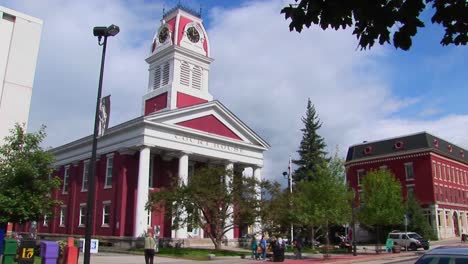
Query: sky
{"type": "Point", "coordinates": [262, 72]}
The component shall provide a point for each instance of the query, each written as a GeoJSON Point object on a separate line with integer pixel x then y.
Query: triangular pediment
{"type": "Point", "coordinates": [211, 118]}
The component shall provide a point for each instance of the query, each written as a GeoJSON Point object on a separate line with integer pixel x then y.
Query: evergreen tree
{"type": "Point", "coordinates": [311, 150]}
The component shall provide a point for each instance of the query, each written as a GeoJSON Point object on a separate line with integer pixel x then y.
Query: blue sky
{"type": "Point", "coordinates": [262, 72]}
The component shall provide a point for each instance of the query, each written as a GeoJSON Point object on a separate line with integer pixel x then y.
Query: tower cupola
{"type": "Point", "coordinates": [179, 62]}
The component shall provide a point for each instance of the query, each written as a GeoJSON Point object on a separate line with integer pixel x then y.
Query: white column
{"type": "Point", "coordinates": [229, 181]}
{"type": "Point", "coordinates": [256, 174]}
{"type": "Point", "coordinates": [141, 214]}
{"type": "Point", "coordinates": [444, 223]}
{"type": "Point", "coordinates": [183, 179]}
{"type": "Point", "coordinates": [183, 168]}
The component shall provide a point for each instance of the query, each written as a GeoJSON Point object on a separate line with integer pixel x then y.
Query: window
{"type": "Point", "coordinates": [157, 78]}
{"type": "Point", "coordinates": [106, 206]}
{"type": "Point", "coordinates": [196, 77]}
{"type": "Point", "coordinates": [360, 174]}
{"type": "Point", "coordinates": [383, 167]}
{"type": "Point", "coordinates": [440, 171]}
{"type": "Point", "coordinates": [84, 184]}
{"type": "Point", "coordinates": [185, 74]}
{"type": "Point", "coordinates": [410, 191]}
{"type": "Point", "coordinates": [46, 221]}
{"type": "Point", "coordinates": [63, 213]}
{"type": "Point", "coordinates": [165, 75]}
{"type": "Point", "coordinates": [361, 198]}
{"type": "Point", "coordinates": [109, 167]}
{"type": "Point", "coordinates": [409, 171]}
{"type": "Point", "coordinates": [82, 220]}
{"type": "Point", "coordinates": [434, 170]}
{"type": "Point", "coordinates": [148, 219]}
{"type": "Point", "coordinates": [66, 179]}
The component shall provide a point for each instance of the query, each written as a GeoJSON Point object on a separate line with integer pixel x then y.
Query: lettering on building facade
{"type": "Point", "coordinates": [204, 143]}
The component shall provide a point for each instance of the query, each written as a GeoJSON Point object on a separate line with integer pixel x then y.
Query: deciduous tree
{"type": "Point", "coordinates": [214, 199]}
{"type": "Point", "coordinates": [325, 200]}
{"type": "Point", "coordinates": [381, 201]}
{"type": "Point", "coordinates": [382, 21]}
{"type": "Point", "coordinates": [25, 177]}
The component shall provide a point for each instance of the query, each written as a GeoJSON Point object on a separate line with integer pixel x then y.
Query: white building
{"type": "Point", "coordinates": [20, 35]}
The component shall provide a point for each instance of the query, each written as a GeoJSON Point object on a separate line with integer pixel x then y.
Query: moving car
{"type": "Point", "coordinates": [409, 240]}
{"type": "Point", "coordinates": [445, 255]}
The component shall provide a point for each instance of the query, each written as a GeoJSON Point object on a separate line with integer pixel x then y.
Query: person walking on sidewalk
{"type": "Point", "coordinates": [150, 244]}
{"type": "Point", "coordinates": [253, 247]}
{"type": "Point", "coordinates": [263, 245]}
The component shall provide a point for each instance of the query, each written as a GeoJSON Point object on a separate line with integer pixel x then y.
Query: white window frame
{"type": "Point", "coordinates": [82, 223]}
{"type": "Point", "coordinates": [63, 216]}
{"type": "Point", "coordinates": [109, 165]}
{"type": "Point", "coordinates": [106, 204]}
{"type": "Point", "coordinates": [85, 178]}
{"type": "Point", "coordinates": [409, 165]}
{"type": "Point", "coordinates": [66, 179]}
{"type": "Point", "coordinates": [359, 176]}
{"type": "Point", "coordinates": [383, 167]}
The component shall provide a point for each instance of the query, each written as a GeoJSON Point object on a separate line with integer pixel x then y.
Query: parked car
{"type": "Point", "coordinates": [409, 240]}
{"type": "Point", "coordinates": [445, 254]}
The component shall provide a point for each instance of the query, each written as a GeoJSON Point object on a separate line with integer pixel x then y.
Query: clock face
{"type": "Point", "coordinates": [193, 35]}
{"type": "Point", "coordinates": [163, 35]}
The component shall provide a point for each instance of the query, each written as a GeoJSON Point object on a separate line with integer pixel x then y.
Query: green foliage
{"type": "Point", "coordinates": [378, 20]}
{"type": "Point", "coordinates": [207, 201]}
{"type": "Point", "coordinates": [382, 205]}
{"type": "Point", "coordinates": [25, 169]}
{"type": "Point", "coordinates": [276, 210]}
{"type": "Point", "coordinates": [417, 220]}
{"type": "Point", "coordinates": [325, 200]}
{"type": "Point", "coordinates": [311, 150]}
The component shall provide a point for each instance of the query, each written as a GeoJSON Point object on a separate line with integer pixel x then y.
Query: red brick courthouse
{"type": "Point", "coordinates": [434, 170]}
{"type": "Point", "coordinates": [181, 128]}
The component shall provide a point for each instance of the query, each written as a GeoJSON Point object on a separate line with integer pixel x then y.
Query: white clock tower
{"type": "Point", "coordinates": [179, 63]}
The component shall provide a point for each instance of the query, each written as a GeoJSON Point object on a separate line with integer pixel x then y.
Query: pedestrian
{"type": "Point", "coordinates": [253, 247]}
{"type": "Point", "coordinates": [150, 244]}
{"type": "Point", "coordinates": [263, 245]}
{"type": "Point", "coordinates": [298, 247]}
{"type": "Point", "coordinates": [282, 247]}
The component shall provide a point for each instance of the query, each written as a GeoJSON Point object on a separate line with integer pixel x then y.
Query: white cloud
{"type": "Point", "coordinates": [262, 72]}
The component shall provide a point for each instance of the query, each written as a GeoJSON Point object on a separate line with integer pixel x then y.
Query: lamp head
{"type": "Point", "coordinates": [99, 31]}
{"type": "Point", "coordinates": [111, 30]}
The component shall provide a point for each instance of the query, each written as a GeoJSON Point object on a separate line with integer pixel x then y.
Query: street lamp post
{"type": "Point", "coordinates": [99, 32]}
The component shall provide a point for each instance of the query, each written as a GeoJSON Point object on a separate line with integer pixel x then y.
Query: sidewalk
{"type": "Point", "coordinates": [366, 256]}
